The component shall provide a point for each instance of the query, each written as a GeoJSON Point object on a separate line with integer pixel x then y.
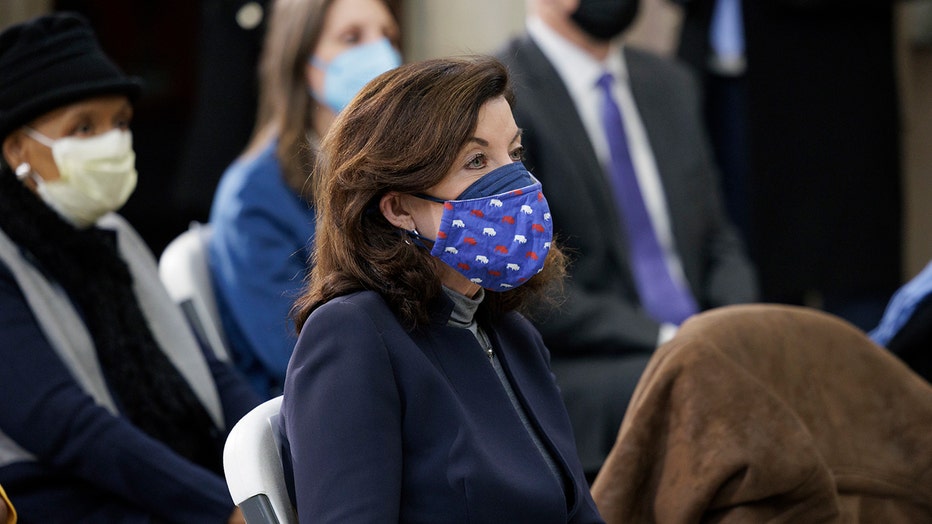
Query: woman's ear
{"type": "Point", "coordinates": [13, 149]}
{"type": "Point", "coordinates": [393, 208]}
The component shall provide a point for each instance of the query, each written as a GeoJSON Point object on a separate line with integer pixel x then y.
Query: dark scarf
{"type": "Point", "coordinates": [147, 387]}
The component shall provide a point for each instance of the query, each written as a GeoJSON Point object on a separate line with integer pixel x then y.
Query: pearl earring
{"type": "Point", "coordinates": [23, 170]}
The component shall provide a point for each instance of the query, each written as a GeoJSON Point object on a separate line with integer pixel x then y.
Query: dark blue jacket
{"type": "Point", "coordinates": [93, 466]}
{"type": "Point", "coordinates": [258, 253]}
{"type": "Point", "coordinates": [386, 425]}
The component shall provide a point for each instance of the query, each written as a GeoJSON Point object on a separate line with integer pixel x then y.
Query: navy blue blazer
{"type": "Point", "coordinates": [385, 425]}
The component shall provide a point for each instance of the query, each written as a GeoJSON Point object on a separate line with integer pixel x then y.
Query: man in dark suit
{"type": "Point", "coordinates": [825, 136]}
{"type": "Point", "coordinates": [604, 332]}
{"type": "Point", "coordinates": [230, 39]}
{"type": "Point", "coordinates": [807, 123]}
{"type": "Point", "coordinates": [712, 42]}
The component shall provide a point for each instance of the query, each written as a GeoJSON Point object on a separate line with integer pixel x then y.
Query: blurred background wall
{"type": "Point", "coordinates": [12, 11]}
{"type": "Point", "coordinates": [435, 28]}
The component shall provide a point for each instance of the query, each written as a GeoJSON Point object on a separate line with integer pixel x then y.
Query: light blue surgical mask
{"type": "Point", "coordinates": [347, 73]}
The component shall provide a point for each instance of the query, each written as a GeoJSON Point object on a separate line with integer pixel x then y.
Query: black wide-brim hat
{"type": "Point", "coordinates": [52, 61]}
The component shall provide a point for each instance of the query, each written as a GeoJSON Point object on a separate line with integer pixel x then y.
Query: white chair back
{"type": "Point", "coordinates": [185, 274]}
{"type": "Point", "coordinates": [252, 464]}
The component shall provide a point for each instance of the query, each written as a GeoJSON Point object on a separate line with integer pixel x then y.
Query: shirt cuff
{"type": "Point", "coordinates": [666, 333]}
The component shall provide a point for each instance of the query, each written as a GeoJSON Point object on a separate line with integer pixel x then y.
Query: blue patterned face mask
{"type": "Point", "coordinates": [348, 72]}
{"type": "Point", "coordinates": [498, 231]}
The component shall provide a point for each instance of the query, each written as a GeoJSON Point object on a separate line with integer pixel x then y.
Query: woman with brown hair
{"type": "Point", "coordinates": [417, 392]}
{"type": "Point", "coordinates": [317, 55]}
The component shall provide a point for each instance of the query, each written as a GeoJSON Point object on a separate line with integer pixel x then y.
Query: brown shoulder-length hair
{"type": "Point", "coordinates": [285, 107]}
{"type": "Point", "coordinates": [402, 133]}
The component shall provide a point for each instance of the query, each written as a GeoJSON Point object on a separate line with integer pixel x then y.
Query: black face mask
{"type": "Point", "coordinates": [605, 19]}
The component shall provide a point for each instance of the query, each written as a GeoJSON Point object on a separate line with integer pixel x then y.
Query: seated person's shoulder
{"type": "Point", "coordinates": [254, 171]}
{"type": "Point", "coordinates": [350, 309]}
{"type": "Point", "coordinates": [659, 64]}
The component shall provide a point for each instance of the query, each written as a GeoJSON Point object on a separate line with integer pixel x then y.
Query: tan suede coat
{"type": "Point", "coordinates": [765, 413]}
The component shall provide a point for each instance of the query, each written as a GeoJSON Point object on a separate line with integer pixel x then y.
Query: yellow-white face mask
{"type": "Point", "coordinates": [98, 175]}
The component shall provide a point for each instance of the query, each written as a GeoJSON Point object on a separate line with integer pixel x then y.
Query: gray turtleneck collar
{"type": "Point", "coordinates": [464, 309]}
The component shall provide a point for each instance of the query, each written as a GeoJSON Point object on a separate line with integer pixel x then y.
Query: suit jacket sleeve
{"type": "Point", "coordinates": [237, 397]}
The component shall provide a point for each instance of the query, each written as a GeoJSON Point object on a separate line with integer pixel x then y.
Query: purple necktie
{"type": "Point", "coordinates": [661, 296]}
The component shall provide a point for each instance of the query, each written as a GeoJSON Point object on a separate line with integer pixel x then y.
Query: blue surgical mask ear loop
{"type": "Point", "coordinates": [418, 239]}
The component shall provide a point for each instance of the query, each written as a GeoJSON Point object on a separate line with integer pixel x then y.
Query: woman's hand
{"type": "Point", "coordinates": [237, 517]}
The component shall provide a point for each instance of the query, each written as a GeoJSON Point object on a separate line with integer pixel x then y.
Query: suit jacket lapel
{"type": "Point", "coordinates": [649, 101]}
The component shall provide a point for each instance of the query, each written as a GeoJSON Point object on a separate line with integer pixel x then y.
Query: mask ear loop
{"type": "Point", "coordinates": [39, 137]}
{"type": "Point", "coordinates": [415, 237]}
{"type": "Point", "coordinates": [408, 234]}
{"type": "Point", "coordinates": [24, 169]}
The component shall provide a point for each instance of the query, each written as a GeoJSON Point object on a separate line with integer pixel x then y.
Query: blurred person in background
{"type": "Point", "coordinates": [616, 135]}
{"type": "Point", "coordinates": [229, 41]}
{"type": "Point", "coordinates": [317, 55]}
{"type": "Point", "coordinates": [824, 134]}
{"type": "Point", "coordinates": [110, 411]}
{"type": "Point", "coordinates": [711, 40]}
